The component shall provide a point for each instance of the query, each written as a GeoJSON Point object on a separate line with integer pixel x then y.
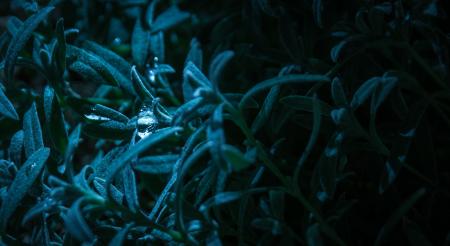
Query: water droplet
{"type": "Point", "coordinates": [146, 123]}
{"type": "Point", "coordinates": [151, 75]}
{"type": "Point", "coordinates": [117, 41]}
{"type": "Point", "coordinates": [96, 117]}
{"type": "Point", "coordinates": [155, 61]}
{"type": "Point", "coordinates": [30, 168]}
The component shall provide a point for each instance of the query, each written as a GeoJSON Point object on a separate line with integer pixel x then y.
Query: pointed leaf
{"type": "Point", "coordinates": [281, 80]}
{"type": "Point", "coordinates": [32, 131]}
{"type": "Point", "coordinates": [140, 42]}
{"type": "Point", "coordinates": [20, 39]}
{"type": "Point", "coordinates": [23, 181]}
{"type": "Point", "coordinates": [6, 107]}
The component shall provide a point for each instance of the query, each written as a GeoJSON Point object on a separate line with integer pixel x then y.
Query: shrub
{"type": "Point", "coordinates": [224, 122]}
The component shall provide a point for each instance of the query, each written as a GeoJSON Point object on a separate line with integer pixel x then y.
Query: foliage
{"type": "Point", "coordinates": [224, 122]}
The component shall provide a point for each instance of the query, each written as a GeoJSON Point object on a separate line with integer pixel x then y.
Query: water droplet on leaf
{"type": "Point", "coordinates": [147, 122]}
{"type": "Point", "coordinates": [96, 117]}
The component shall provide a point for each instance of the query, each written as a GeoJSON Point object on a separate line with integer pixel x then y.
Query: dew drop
{"type": "Point", "coordinates": [117, 41]}
{"type": "Point", "coordinates": [146, 123]}
{"type": "Point", "coordinates": [151, 75]}
{"type": "Point", "coordinates": [96, 117]}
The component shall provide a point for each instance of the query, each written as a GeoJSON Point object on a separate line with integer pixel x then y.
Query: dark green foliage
{"type": "Point", "coordinates": [150, 122]}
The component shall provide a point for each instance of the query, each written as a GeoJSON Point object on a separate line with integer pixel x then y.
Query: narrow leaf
{"type": "Point", "coordinates": [6, 107]}
{"type": "Point", "coordinates": [32, 131]}
{"type": "Point", "coordinates": [281, 80]}
{"type": "Point", "coordinates": [23, 181]}
{"type": "Point", "coordinates": [20, 39]}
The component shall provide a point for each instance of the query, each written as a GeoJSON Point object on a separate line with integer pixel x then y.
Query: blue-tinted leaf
{"type": "Point", "coordinates": [158, 164]}
{"type": "Point", "coordinates": [73, 141]}
{"type": "Point", "coordinates": [317, 12]}
{"type": "Point", "coordinates": [157, 45]}
{"type": "Point", "coordinates": [216, 136]}
{"type": "Point", "coordinates": [140, 147]}
{"type": "Point", "coordinates": [397, 215]}
{"type": "Point", "coordinates": [281, 80]}
{"type": "Point", "coordinates": [13, 25]}
{"type": "Point", "coordinates": [195, 54]}
{"type": "Point", "coordinates": [402, 143]}
{"type": "Point", "coordinates": [87, 72]}
{"type": "Point", "coordinates": [109, 56]}
{"type": "Point", "coordinates": [54, 120]}
{"type": "Point", "coordinates": [218, 64]}
{"type": "Point", "coordinates": [76, 224]}
{"type": "Point", "coordinates": [130, 189]}
{"type": "Point", "coordinates": [61, 51]}
{"type": "Point", "coordinates": [116, 194]}
{"type": "Point", "coordinates": [305, 103]}
{"type": "Point", "coordinates": [109, 113]}
{"type": "Point", "coordinates": [140, 43]}
{"type": "Point", "coordinates": [121, 236]}
{"type": "Point", "coordinates": [193, 72]}
{"type": "Point", "coordinates": [23, 181]}
{"type": "Point", "coordinates": [15, 147]}
{"type": "Point", "coordinates": [6, 107]}
{"type": "Point", "coordinates": [277, 203]}
{"type": "Point", "coordinates": [364, 92]}
{"type": "Point", "coordinates": [20, 39]}
{"type": "Point", "coordinates": [101, 66]}
{"type": "Point", "coordinates": [169, 18]}
{"type": "Point", "coordinates": [235, 157]}
{"type": "Point", "coordinates": [268, 224]}
{"type": "Point", "coordinates": [266, 109]}
{"type": "Point", "coordinates": [338, 93]}
{"type": "Point", "coordinates": [32, 131]}
{"type": "Point", "coordinates": [139, 86]}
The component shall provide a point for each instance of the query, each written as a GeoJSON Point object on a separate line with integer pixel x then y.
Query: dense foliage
{"type": "Point", "coordinates": [224, 122]}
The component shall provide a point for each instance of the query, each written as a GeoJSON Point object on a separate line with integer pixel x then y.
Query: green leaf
{"type": "Point", "coordinates": [281, 80]}
{"type": "Point", "coordinates": [54, 120]}
{"type": "Point", "coordinates": [140, 42]}
{"type": "Point", "coordinates": [23, 181]}
{"type": "Point", "coordinates": [235, 157]}
{"type": "Point", "coordinates": [305, 103]}
{"type": "Point", "coordinates": [32, 131]}
{"type": "Point", "coordinates": [6, 107]}
{"type": "Point", "coordinates": [397, 215]}
{"type": "Point", "coordinates": [158, 164]}
{"type": "Point", "coordinates": [169, 18]}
